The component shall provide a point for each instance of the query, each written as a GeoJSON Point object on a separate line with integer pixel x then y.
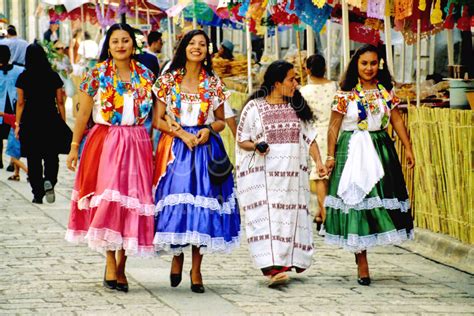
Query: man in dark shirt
{"type": "Point", "coordinates": [52, 34]}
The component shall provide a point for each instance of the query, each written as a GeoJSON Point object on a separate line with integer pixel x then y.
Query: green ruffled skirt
{"type": "Point", "coordinates": [383, 217]}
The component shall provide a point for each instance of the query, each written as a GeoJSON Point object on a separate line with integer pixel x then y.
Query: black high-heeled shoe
{"type": "Point", "coordinates": [196, 288]}
{"type": "Point", "coordinates": [175, 278]}
{"type": "Point", "coordinates": [112, 284]}
{"type": "Point", "coordinates": [363, 281]}
{"type": "Point", "coordinates": [123, 287]}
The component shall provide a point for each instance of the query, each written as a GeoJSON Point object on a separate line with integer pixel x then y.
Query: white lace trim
{"type": "Point", "coordinates": [227, 207]}
{"type": "Point", "coordinates": [207, 244]}
{"type": "Point", "coordinates": [102, 240]}
{"type": "Point", "coordinates": [356, 243]}
{"type": "Point", "coordinates": [91, 200]}
{"type": "Point", "coordinates": [368, 204]}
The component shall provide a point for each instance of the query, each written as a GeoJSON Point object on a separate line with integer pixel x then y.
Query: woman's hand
{"type": "Point", "coordinates": [17, 132]}
{"type": "Point", "coordinates": [264, 153]}
{"type": "Point", "coordinates": [189, 139]}
{"type": "Point", "coordinates": [410, 159]}
{"type": "Point", "coordinates": [322, 169]}
{"type": "Point", "coordinates": [172, 124]}
{"type": "Point", "coordinates": [330, 166]}
{"type": "Point", "coordinates": [203, 135]}
{"type": "Point", "coordinates": [72, 158]}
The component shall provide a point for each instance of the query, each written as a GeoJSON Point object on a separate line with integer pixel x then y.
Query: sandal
{"type": "Point", "coordinates": [279, 279]}
{"type": "Point", "coordinates": [15, 177]}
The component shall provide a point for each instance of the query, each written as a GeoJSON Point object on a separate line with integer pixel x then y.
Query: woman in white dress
{"type": "Point", "coordinates": [319, 93]}
{"type": "Point", "coordinates": [272, 178]}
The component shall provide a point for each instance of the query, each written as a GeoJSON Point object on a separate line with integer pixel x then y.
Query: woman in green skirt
{"type": "Point", "coordinates": [367, 203]}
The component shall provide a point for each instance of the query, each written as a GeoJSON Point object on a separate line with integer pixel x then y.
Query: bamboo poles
{"type": "Point", "coordinates": [442, 144]}
{"type": "Point", "coordinates": [328, 49]}
{"type": "Point", "coordinates": [418, 62]}
{"type": "Point", "coordinates": [345, 34]}
{"type": "Point", "coordinates": [249, 57]}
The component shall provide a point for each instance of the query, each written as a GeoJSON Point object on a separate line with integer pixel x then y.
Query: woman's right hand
{"type": "Point", "coordinates": [330, 166]}
{"type": "Point", "coordinates": [17, 132]}
{"type": "Point", "coordinates": [72, 158]}
{"type": "Point", "coordinates": [189, 139]}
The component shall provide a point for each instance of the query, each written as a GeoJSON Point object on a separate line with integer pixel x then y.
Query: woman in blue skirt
{"type": "Point", "coordinates": [192, 207]}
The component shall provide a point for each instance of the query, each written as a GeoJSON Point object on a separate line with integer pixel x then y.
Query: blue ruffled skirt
{"type": "Point", "coordinates": [190, 210]}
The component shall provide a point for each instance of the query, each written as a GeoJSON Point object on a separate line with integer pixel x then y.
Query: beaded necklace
{"type": "Point", "coordinates": [363, 105]}
{"type": "Point", "coordinates": [203, 90]}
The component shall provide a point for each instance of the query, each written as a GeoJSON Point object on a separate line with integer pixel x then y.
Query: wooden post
{"type": "Point", "coordinates": [345, 34]}
{"type": "Point", "coordinates": [249, 57]}
{"type": "Point", "coordinates": [449, 36]}
{"type": "Point", "coordinates": [403, 61]}
{"type": "Point", "coordinates": [300, 59]}
{"type": "Point", "coordinates": [432, 54]}
{"type": "Point", "coordinates": [388, 43]}
{"type": "Point", "coordinates": [418, 62]}
{"type": "Point", "coordinates": [309, 41]}
{"type": "Point", "coordinates": [277, 43]}
{"type": "Point", "coordinates": [328, 49]}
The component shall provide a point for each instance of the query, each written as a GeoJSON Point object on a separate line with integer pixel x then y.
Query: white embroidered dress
{"type": "Point", "coordinates": [273, 191]}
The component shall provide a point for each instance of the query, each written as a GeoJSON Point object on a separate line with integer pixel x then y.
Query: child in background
{"type": "Point", "coordinates": [13, 148]}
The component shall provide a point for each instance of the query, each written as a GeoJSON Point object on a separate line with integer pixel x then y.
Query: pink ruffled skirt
{"type": "Point", "coordinates": [112, 205]}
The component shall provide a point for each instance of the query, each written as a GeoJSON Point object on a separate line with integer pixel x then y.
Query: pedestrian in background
{"type": "Point", "coordinates": [275, 139]}
{"type": "Point", "coordinates": [52, 33]}
{"type": "Point", "coordinates": [319, 93]}
{"type": "Point", "coordinates": [13, 148]}
{"type": "Point", "coordinates": [40, 122]}
{"type": "Point", "coordinates": [17, 46]}
{"type": "Point", "coordinates": [368, 203]}
{"type": "Point", "coordinates": [112, 204]}
{"type": "Point", "coordinates": [8, 97]}
{"type": "Point", "coordinates": [191, 208]}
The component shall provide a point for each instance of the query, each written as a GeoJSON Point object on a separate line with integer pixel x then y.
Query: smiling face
{"type": "Point", "coordinates": [196, 50]}
{"type": "Point", "coordinates": [368, 66]}
{"type": "Point", "coordinates": [288, 86]}
{"type": "Point", "coordinates": [121, 45]}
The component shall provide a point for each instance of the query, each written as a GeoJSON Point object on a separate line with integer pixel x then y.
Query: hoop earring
{"type": "Point", "coordinates": [108, 52]}
{"type": "Point", "coordinates": [205, 62]}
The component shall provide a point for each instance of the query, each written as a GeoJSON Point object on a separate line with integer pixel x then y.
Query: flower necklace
{"type": "Point", "coordinates": [363, 105]}
{"type": "Point", "coordinates": [203, 90]}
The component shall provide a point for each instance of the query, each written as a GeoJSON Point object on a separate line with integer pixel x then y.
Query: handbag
{"type": "Point", "coordinates": [219, 166]}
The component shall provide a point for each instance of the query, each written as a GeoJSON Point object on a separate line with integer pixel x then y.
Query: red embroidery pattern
{"type": "Point", "coordinates": [282, 206]}
{"type": "Point", "coordinates": [283, 173]}
{"type": "Point", "coordinates": [251, 170]}
{"type": "Point", "coordinates": [280, 123]}
{"type": "Point", "coordinates": [255, 205]}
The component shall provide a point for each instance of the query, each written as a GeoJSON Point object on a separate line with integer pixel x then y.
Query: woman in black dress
{"type": "Point", "coordinates": [40, 122]}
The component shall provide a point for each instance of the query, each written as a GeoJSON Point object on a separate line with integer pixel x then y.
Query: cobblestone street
{"type": "Point", "coordinates": [41, 273]}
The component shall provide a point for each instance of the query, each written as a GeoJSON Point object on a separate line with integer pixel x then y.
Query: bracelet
{"type": "Point", "coordinates": [330, 158]}
{"type": "Point", "coordinates": [16, 124]}
{"type": "Point", "coordinates": [74, 144]}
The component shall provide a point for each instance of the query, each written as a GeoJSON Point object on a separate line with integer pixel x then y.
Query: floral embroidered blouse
{"type": "Point", "coordinates": [377, 108]}
{"type": "Point", "coordinates": [117, 102]}
{"type": "Point", "coordinates": [190, 112]}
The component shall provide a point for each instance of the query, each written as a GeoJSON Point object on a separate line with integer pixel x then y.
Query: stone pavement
{"type": "Point", "coordinates": [42, 274]}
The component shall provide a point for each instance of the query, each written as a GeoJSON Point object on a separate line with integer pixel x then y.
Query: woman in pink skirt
{"type": "Point", "coordinates": [112, 204]}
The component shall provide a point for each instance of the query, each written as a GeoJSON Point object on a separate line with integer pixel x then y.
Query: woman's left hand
{"type": "Point", "coordinates": [203, 135]}
{"type": "Point", "coordinates": [410, 159]}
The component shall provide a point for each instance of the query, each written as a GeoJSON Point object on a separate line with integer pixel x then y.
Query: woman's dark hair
{"type": "Point", "coordinates": [4, 54]}
{"type": "Point", "coordinates": [277, 72]}
{"type": "Point", "coordinates": [179, 59]}
{"type": "Point", "coordinates": [316, 65]}
{"type": "Point", "coordinates": [227, 53]}
{"type": "Point", "coordinates": [351, 76]}
{"type": "Point", "coordinates": [36, 61]}
{"type": "Point", "coordinates": [104, 54]}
